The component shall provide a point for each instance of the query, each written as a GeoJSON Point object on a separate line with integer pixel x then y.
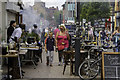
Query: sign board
{"type": "Point", "coordinates": [111, 65]}
{"type": "Point", "coordinates": [84, 20]}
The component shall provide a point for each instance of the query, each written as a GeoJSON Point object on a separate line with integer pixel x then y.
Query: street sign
{"type": "Point", "coordinates": [111, 65]}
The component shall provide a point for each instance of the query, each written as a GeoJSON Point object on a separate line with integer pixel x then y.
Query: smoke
{"type": "Point", "coordinates": [30, 17]}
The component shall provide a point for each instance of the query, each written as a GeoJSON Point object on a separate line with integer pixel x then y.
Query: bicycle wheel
{"type": "Point", "coordinates": [88, 69]}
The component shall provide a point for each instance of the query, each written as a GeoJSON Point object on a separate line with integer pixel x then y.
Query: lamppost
{"type": "Point", "coordinates": [77, 41]}
{"type": "Point", "coordinates": [113, 5]}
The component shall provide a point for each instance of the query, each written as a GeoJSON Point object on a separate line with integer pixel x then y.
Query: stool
{"type": "Point", "coordinates": [68, 57]}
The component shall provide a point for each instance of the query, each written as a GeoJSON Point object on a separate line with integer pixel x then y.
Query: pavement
{"type": "Point", "coordinates": [46, 72]}
{"type": "Point", "coordinates": [43, 71]}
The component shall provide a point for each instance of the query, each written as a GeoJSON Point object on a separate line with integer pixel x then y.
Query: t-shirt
{"type": "Point", "coordinates": [17, 33]}
{"type": "Point", "coordinates": [50, 44]}
{"type": "Point", "coordinates": [35, 31]}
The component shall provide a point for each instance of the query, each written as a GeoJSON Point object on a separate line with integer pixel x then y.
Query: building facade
{"type": "Point", "coordinates": [8, 11]}
{"type": "Point", "coordinates": [69, 11]}
{"type": "Point", "coordinates": [40, 8]}
{"type": "Point", "coordinates": [51, 16]}
{"type": "Point", "coordinates": [0, 18]}
{"type": "Point", "coordinates": [117, 6]}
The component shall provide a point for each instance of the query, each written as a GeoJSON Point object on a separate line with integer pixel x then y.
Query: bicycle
{"type": "Point", "coordinates": [90, 68]}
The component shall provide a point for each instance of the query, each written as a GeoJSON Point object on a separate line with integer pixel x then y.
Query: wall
{"type": "Point", "coordinates": [0, 36]}
{"type": "Point", "coordinates": [10, 16]}
{"type": "Point", "coordinates": [4, 22]}
{"type": "Point", "coordinates": [7, 16]}
{"type": "Point", "coordinates": [40, 7]}
{"type": "Point", "coordinates": [0, 18]}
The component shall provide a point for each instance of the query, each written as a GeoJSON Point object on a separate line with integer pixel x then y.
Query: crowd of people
{"type": "Point", "coordinates": [105, 37]}
{"type": "Point", "coordinates": [59, 42]}
{"type": "Point", "coordinates": [59, 38]}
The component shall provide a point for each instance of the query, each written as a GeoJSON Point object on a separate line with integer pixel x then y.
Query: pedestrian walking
{"type": "Point", "coordinates": [49, 48]}
{"type": "Point", "coordinates": [62, 42]}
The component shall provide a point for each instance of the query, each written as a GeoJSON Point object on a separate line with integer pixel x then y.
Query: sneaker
{"type": "Point", "coordinates": [50, 65]}
{"type": "Point", "coordinates": [59, 64]}
{"type": "Point", "coordinates": [47, 63]}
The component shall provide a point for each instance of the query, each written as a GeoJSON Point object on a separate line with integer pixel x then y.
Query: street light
{"type": "Point", "coordinates": [77, 41]}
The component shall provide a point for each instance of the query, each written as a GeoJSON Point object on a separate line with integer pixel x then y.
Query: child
{"type": "Point", "coordinates": [49, 48]}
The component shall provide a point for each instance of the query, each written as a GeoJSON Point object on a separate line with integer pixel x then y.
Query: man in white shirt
{"type": "Point", "coordinates": [16, 34]}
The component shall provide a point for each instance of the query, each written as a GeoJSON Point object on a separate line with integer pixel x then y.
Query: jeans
{"type": "Point", "coordinates": [50, 54]}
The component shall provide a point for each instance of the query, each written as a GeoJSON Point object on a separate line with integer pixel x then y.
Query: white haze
{"type": "Point", "coordinates": [30, 17]}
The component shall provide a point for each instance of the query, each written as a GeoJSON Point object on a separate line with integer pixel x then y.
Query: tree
{"type": "Point", "coordinates": [94, 10]}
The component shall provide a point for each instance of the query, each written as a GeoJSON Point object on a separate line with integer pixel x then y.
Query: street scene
{"type": "Point", "coordinates": [60, 39]}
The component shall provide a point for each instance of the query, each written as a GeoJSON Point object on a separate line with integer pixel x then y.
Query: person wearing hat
{"type": "Point", "coordinates": [62, 42]}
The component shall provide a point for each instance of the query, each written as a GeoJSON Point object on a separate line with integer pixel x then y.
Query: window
{"type": "Point", "coordinates": [70, 18]}
{"type": "Point", "coordinates": [71, 7]}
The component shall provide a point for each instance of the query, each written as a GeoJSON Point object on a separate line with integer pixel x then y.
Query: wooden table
{"type": "Point", "coordinates": [9, 55]}
{"type": "Point", "coordinates": [72, 59]}
{"type": "Point", "coordinates": [66, 54]}
{"type": "Point", "coordinates": [14, 55]}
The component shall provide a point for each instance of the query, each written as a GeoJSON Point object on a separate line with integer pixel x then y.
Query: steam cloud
{"type": "Point", "coordinates": [30, 17]}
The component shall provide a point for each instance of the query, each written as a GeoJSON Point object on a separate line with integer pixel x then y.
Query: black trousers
{"type": "Point", "coordinates": [60, 53]}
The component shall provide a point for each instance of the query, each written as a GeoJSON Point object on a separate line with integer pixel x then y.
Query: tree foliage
{"type": "Point", "coordinates": [94, 10]}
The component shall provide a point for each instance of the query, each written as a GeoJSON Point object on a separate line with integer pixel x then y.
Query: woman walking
{"type": "Point", "coordinates": [62, 42]}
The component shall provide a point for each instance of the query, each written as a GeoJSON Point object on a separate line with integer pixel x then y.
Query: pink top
{"type": "Point", "coordinates": [62, 39]}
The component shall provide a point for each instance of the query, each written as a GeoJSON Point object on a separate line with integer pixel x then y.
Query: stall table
{"type": "Point", "coordinates": [30, 56]}
{"type": "Point", "coordinates": [13, 54]}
